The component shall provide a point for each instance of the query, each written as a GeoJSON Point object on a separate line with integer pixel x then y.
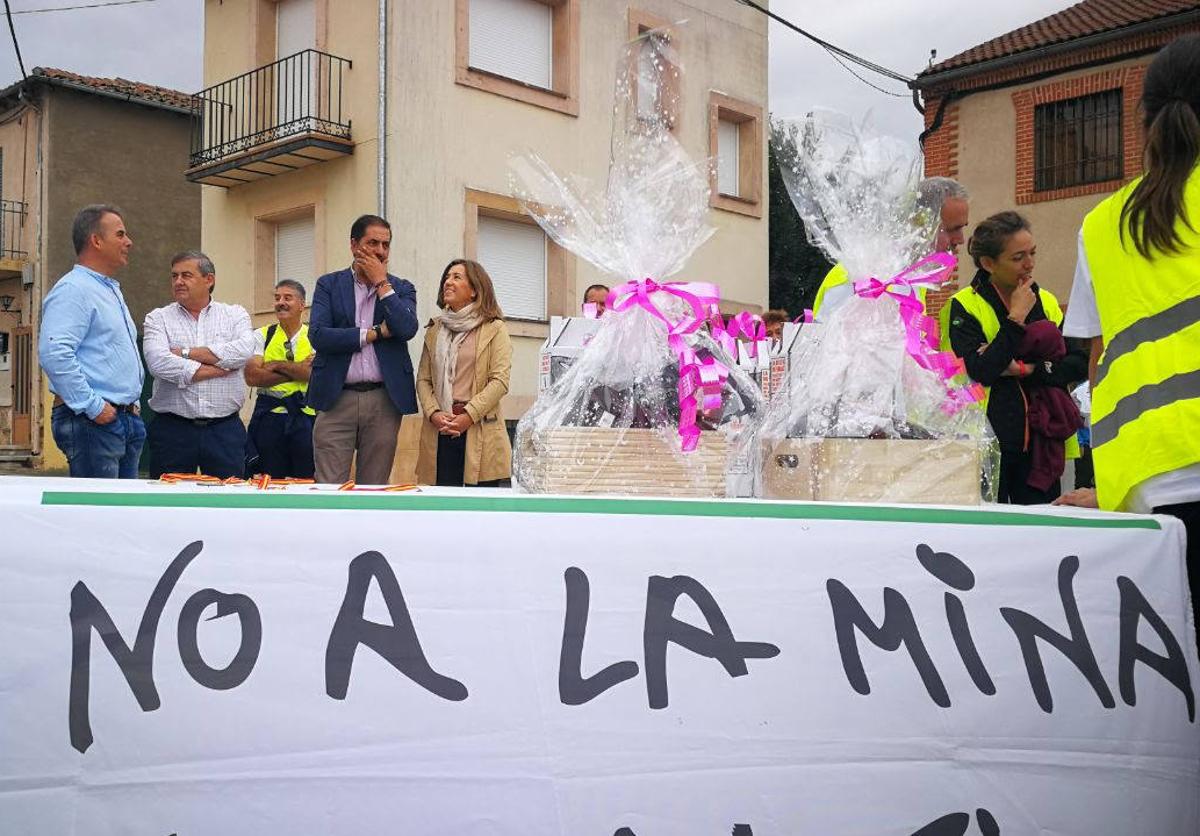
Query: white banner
{"type": "Point", "coordinates": [189, 661]}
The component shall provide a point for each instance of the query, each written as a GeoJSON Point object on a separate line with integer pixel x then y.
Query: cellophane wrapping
{"type": "Point", "coordinates": [611, 424]}
{"type": "Point", "coordinates": [859, 418]}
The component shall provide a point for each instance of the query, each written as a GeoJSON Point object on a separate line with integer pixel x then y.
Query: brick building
{"type": "Point", "coordinates": [1044, 119]}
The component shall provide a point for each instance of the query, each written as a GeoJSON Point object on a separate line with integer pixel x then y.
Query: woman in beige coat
{"type": "Point", "coordinates": [463, 374]}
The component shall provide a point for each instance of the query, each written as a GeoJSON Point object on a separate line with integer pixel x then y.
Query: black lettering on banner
{"type": "Point", "coordinates": [235, 673]}
{"type": "Point", "coordinates": [136, 663]}
{"type": "Point", "coordinates": [738, 830]}
{"type": "Point", "coordinates": [396, 642]}
{"type": "Point", "coordinates": [1076, 648]}
{"type": "Point", "coordinates": [662, 628]}
{"type": "Point", "coordinates": [956, 824]}
{"type": "Point", "coordinates": [573, 687]}
{"type": "Point", "coordinates": [956, 574]}
{"type": "Point", "coordinates": [1172, 667]}
{"type": "Point", "coordinates": [898, 628]}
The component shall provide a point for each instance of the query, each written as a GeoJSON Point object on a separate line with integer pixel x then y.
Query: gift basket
{"type": "Point", "coordinates": [653, 404]}
{"type": "Point", "coordinates": [873, 410]}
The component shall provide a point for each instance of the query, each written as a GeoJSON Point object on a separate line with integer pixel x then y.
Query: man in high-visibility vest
{"type": "Point", "coordinates": [937, 194]}
{"type": "Point", "coordinates": [280, 435]}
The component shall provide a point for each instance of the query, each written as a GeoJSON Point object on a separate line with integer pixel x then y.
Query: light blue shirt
{"type": "Point", "coordinates": [88, 343]}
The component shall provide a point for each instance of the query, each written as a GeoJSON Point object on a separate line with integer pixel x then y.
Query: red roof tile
{"type": "Point", "coordinates": [136, 90]}
{"type": "Point", "coordinates": [1089, 17]}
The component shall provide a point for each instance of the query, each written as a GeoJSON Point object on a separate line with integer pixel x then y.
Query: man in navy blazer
{"type": "Point", "coordinates": [362, 377]}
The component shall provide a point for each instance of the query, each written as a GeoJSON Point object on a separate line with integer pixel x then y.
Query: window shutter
{"type": "Point", "coordinates": [294, 257]}
{"type": "Point", "coordinates": [728, 154]}
{"type": "Point", "coordinates": [295, 27]}
{"type": "Point", "coordinates": [514, 39]}
{"type": "Point", "coordinates": [514, 254]}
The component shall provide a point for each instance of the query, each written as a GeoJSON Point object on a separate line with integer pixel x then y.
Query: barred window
{"type": "Point", "coordinates": [1078, 141]}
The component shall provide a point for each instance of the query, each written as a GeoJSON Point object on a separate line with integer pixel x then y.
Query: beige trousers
{"type": "Point", "coordinates": [365, 422]}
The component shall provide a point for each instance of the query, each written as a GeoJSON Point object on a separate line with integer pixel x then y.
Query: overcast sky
{"type": "Point", "coordinates": [161, 42]}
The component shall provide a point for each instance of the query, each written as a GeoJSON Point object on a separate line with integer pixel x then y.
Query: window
{"type": "Point", "coordinates": [514, 39]}
{"type": "Point", "coordinates": [294, 260]}
{"type": "Point", "coordinates": [287, 246]}
{"type": "Point", "coordinates": [514, 255]}
{"type": "Point", "coordinates": [735, 142]}
{"type": "Point", "coordinates": [284, 27]}
{"type": "Point", "coordinates": [728, 157]}
{"type": "Point", "coordinates": [527, 50]}
{"type": "Point", "coordinates": [295, 27]}
{"type": "Point", "coordinates": [655, 80]}
{"type": "Point", "coordinates": [533, 276]}
{"type": "Point", "coordinates": [1078, 141]}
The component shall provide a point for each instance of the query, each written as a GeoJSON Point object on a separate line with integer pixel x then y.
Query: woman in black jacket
{"type": "Point", "coordinates": [1008, 332]}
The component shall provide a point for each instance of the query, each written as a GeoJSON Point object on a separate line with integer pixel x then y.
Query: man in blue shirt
{"type": "Point", "coordinates": [88, 350]}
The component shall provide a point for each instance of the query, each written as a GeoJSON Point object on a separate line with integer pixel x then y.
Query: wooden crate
{"type": "Point", "coordinates": [637, 462]}
{"type": "Point", "coordinates": [874, 470]}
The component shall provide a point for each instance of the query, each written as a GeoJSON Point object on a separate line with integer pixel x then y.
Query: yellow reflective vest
{"type": "Point", "coordinates": [1146, 398]}
{"type": "Point", "coordinates": [978, 307]}
{"type": "Point", "coordinates": [836, 277]}
{"type": "Point", "coordinates": [276, 349]}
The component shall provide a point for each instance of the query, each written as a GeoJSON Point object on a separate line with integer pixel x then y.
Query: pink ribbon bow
{"type": "Point", "coordinates": [745, 324]}
{"type": "Point", "coordinates": [700, 381]}
{"type": "Point", "coordinates": [922, 341]}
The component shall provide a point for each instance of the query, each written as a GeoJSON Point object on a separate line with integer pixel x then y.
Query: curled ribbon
{"type": "Point", "coordinates": [700, 381]}
{"type": "Point", "coordinates": [921, 331]}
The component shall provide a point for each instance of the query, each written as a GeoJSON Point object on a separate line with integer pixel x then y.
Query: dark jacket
{"type": "Point", "coordinates": [1009, 395]}
{"type": "Point", "coordinates": [334, 334]}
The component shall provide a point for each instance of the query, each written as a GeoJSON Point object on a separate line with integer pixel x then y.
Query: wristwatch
{"type": "Point", "coordinates": [184, 353]}
{"type": "Point", "coordinates": [378, 329]}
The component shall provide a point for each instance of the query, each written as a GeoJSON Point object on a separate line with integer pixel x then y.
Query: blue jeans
{"type": "Point", "coordinates": [95, 451]}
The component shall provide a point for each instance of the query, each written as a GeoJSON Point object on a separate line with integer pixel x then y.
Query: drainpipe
{"type": "Point", "coordinates": [382, 107]}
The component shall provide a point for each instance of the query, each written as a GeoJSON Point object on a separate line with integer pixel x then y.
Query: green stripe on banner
{"type": "Point", "coordinates": [527, 504]}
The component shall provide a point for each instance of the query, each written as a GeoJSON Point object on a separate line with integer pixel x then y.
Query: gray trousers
{"type": "Point", "coordinates": [366, 422]}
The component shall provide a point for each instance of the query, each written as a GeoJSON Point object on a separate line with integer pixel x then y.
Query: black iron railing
{"type": "Point", "coordinates": [293, 96]}
{"type": "Point", "coordinates": [12, 221]}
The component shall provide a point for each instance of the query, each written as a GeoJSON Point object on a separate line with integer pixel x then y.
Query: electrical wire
{"type": "Point", "coordinates": [16, 46]}
{"type": "Point", "coordinates": [72, 8]}
{"type": "Point", "coordinates": [870, 84]}
{"type": "Point", "coordinates": [836, 51]}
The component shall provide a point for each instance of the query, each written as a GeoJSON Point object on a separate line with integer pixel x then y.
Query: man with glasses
{"type": "Point", "coordinates": [280, 435]}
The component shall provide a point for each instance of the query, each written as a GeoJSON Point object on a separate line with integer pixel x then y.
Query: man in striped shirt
{"type": "Point", "coordinates": [195, 349]}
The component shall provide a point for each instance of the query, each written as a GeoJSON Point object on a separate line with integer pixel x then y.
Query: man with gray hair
{"type": "Point", "coordinates": [87, 347]}
{"type": "Point", "coordinates": [948, 198]}
{"type": "Point", "coordinates": [195, 349]}
{"type": "Point", "coordinates": [281, 428]}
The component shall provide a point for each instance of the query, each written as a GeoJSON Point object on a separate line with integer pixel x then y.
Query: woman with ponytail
{"type": "Point", "coordinates": [1137, 296]}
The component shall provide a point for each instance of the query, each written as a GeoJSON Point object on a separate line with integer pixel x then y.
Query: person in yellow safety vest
{"type": "Point", "coordinates": [279, 439]}
{"type": "Point", "coordinates": [985, 324]}
{"type": "Point", "coordinates": [1137, 295]}
{"type": "Point", "coordinates": [937, 194]}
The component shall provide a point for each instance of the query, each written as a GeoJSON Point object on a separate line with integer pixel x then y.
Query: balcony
{"type": "Point", "coordinates": [12, 223]}
{"type": "Point", "coordinates": [272, 120]}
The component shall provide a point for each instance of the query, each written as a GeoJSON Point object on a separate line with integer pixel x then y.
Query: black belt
{"type": "Point", "coordinates": [363, 387]}
{"type": "Point", "coordinates": [199, 422]}
{"type": "Point", "coordinates": [133, 408]}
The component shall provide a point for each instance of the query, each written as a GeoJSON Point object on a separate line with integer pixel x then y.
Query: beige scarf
{"type": "Point", "coordinates": [455, 327]}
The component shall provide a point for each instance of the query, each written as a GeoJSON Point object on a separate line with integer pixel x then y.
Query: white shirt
{"type": "Point", "coordinates": [1083, 320]}
{"type": "Point", "coordinates": [225, 331]}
